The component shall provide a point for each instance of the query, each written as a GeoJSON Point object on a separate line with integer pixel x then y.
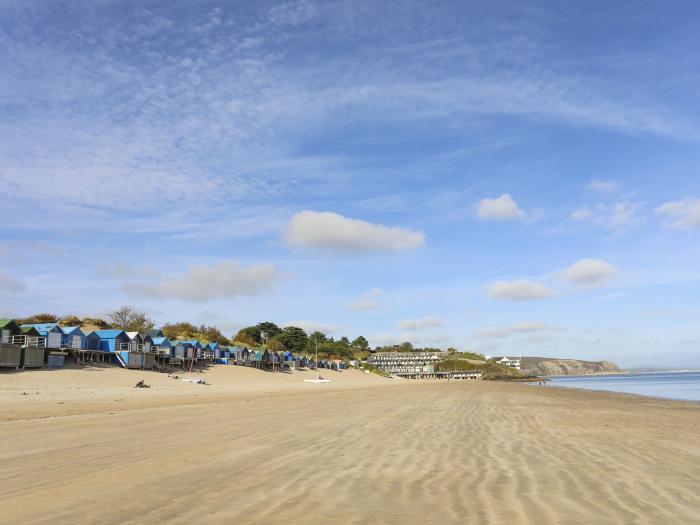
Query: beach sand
{"type": "Point", "coordinates": [257, 448]}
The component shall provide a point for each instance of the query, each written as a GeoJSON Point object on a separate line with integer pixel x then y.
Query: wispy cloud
{"type": "Point", "coordinates": [619, 218]}
{"type": "Point", "coordinates": [682, 214]}
{"type": "Point", "coordinates": [313, 326]}
{"type": "Point", "coordinates": [224, 280]}
{"type": "Point", "coordinates": [514, 329]}
{"type": "Point", "coordinates": [603, 186]}
{"type": "Point", "coordinates": [519, 290]}
{"type": "Point", "coordinates": [422, 323]}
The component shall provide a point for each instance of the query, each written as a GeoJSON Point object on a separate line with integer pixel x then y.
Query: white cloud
{"type": "Point", "coordinates": [10, 284]}
{"type": "Point", "coordinates": [503, 208]}
{"type": "Point", "coordinates": [367, 301]}
{"type": "Point", "coordinates": [515, 329]}
{"type": "Point", "coordinates": [620, 217]}
{"type": "Point", "coordinates": [519, 290]}
{"type": "Point", "coordinates": [590, 272]}
{"type": "Point", "coordinates": [582, 214]}
{"type": "Point", "coordinates": [313, 326]}
{"type": "Point", "coordinates": [363, 306]}
{"type": "Point", "coordinates": [682, 214]}
{"type": "Point", "coordinates": [333, 232]}
{"type": "Point", "coordinates": [423, 323]}
{"type": "Point", "coordinates": [201, 283]}
{"type": "Point", "coordinates": [603, 186]}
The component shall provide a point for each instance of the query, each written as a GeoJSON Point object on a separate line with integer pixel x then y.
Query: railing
{"type": "Point", "coordinates": [26, 340]}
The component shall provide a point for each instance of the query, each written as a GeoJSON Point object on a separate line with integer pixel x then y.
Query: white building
{"type": "Point", "coordinates": [404, 362]}
{"type": "Point", "coordinates": [512, 362]}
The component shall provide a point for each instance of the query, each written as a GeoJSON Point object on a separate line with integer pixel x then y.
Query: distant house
{"type": "Point", "coordinates": [8, 329]}
{"type": "Point", "coordinates": [51, 331]}
{"type": "Point", "coordinates": [512, 362]}
{"type": "Point", "coordinates": [73, 337]}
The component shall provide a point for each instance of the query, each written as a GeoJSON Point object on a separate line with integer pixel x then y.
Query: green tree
{"type": "Point", "coordinates": [268, 331]}
{"type": "Point", "coordinates": [360, 344]}
{"type": "Point", "coordinates": [249, 333]}
{"type": "Point", "coordinates": [276, 345]}
{"type": "Point", "coordinates": [130, 320]}
{"type": "Point", "coordinates": [294, 339]}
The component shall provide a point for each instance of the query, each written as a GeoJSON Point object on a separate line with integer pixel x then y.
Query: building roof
{"type": "Point", "coordinates": [132, 335]}
{"type": "Point", "coordinates": [156, 333]}
{"type": "Point", "coordinates": [161, 340]}
{"type": "Point", "coordinates": [5, 322]}
{"type": "Point", "coordinates": [43, 328]}
{"type": "Point", "coordinates": [192, 342]}
{"type": "Point", "coordinates": [108, 334]}
{"type": "Point", "coordinates": [29, 330]}
{"type": "Point", "coordinates": [68, 330]}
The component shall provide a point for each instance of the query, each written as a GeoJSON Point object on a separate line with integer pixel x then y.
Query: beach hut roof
{"type": "Point", "coordinates": [43, 328]}
{"type": "Point", "coordinates": [160, 340]}
{"type": "Point", "coordinates": [4, 322]}
{"type": "Point", "coordinates": [156, 333]}
{"type": "Point", "coordinates": [68, 330]}
{"type": "Point", "coordinates": [108, 334]}
{"type": "Point", "coordinates": [29, 330]}
{"type": "Point", "coordinates": [132, 335]}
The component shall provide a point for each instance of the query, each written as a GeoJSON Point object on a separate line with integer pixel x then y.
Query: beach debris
{"type": "Point", "coordinates": [142, 384]}
{"type": "Point", "coordinates": [173, 376]}
{"type": "Point", "coordinates": [198, 381]}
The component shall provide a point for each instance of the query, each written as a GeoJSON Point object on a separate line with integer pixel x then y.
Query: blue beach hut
{"type": "Point", "coordinates": [108, 341]}
{"type": "Point", "coordinates": [162, 345]}
{"type": "Point", "coordinates": [73, 338]}
{"type": "Point", "coordinates": [51, 331]}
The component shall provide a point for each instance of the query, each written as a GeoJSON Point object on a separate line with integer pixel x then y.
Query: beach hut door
{"type": "Point", "coordinates": [6, 336]}
{"type": "Point", "coordinates": [54, 340]}
{"type": "Point", "coordinates": [75, 342]}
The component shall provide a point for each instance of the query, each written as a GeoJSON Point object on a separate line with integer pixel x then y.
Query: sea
{"type": "Point", "coordinates": [669, 385]}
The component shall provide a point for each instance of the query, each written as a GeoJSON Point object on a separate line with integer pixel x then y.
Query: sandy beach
{"type": "Point", "coordinates": [84, 446]}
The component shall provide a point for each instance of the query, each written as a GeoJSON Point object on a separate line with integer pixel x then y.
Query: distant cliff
{"type": "Point", "coordinates": [546, 366]}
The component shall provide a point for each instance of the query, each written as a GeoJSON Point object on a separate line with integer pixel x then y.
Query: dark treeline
{"type": "Point", "coordinates": [296, 340]}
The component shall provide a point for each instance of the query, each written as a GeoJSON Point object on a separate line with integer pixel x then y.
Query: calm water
{"type": "Point", "coordinates": [670, 385]}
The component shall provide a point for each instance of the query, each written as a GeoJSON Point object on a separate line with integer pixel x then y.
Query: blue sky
{"type": "Point", "coordinates": [496, 176]}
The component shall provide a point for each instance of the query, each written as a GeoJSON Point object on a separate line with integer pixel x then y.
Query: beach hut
{"type": "Point", "coordinates": [215, 349]}
{"type": "Point", "coordinates": [107, 341]}
{"type": "Point", "coordinates": [135, 341]}
{"type": "Point", "coordinates": [51, 331]}
{"type": "Point", "coordinates": [73, 338]}
{"type": "Point", "coordinates": [8, 329]}
{"type": "Point", "coordinates": [155, 333]}
{"type": "Point", "coordinates": [10, 354]}
{"type": "Point", "coordinates": [196, 347]}
{"type": "Point", "coordinates": [162, 346]}
{"type": "Point", "coordinates": [179, 349]}
{"type": "Point", "coordinates": [147, 342]}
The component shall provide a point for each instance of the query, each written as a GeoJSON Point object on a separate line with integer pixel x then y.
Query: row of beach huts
{"type": "Point", "coordinates": [48, 344]}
